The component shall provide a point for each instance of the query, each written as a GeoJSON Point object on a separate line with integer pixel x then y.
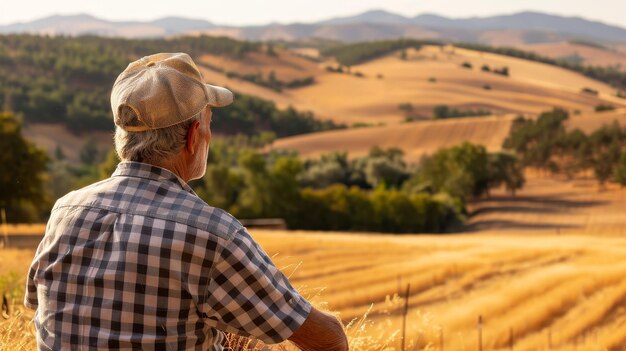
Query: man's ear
{"type": "Point", "coordinates": [193, 136]}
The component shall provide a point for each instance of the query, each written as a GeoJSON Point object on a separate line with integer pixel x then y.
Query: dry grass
{"type": "Point", "coordinates": [286, 65]}
{"type": "Point", "coordinates": [425, 137]}
{"type": "Point", "coordinates": [416, 139]}
{"type": "Point", "coordinates": [570, 286]}
{"type": "Point", "coordinates": [591, 56]}
{"type": "Point", "coordinates": [532, 87]}
{"type": "Point", "coordinates": [561, 289]}
{"type": "Point", "coordinates": [567, 285]}
{"type": "Point", "coordinates": [547, 205]}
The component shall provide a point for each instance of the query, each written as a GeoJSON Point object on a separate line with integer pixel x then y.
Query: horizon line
{"type": "Point", "coordinates": [104, 18]}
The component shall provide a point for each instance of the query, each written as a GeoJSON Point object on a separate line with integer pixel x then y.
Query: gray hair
{"type": "Point", "coordinates": [152, 146]}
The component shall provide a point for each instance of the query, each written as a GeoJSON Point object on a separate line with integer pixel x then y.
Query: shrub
{"type": "Point", "coordinates": [604, 107]}
{"type": "Point", "coordinates": [589, 91]}
{"type": "Point", "coordinates": [445, 111]}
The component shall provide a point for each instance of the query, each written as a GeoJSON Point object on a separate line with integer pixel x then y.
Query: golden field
{"type": "Point", "coordinates": [564, 290]}
{"type": "Point", "coordinates": [420, 138]}
{"type": "Point", "coordinates": [593, 56]}
{"type": "Point", "coordinates": [545, 267]}
{"type": "Point", "coordinates": [428, 77]}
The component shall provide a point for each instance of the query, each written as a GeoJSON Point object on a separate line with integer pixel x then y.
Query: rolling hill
{"type": "Point", "coordinates": [594, 55]}
{"type": "Point", "coordinates": [428, 77]}
{"type": "Point", "coordinates": [417, 139]}
{"type": "Point", "coordinates": [372, 93]}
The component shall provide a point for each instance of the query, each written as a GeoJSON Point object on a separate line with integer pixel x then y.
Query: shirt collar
{"type": "Point", "coordinates": [147, 171]}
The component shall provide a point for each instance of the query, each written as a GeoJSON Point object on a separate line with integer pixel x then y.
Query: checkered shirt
{"type": "Point", "coordinates": [138, 261]}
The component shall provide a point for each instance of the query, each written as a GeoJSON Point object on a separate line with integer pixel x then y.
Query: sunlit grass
{"type": "Point", "coordinates": [561, 291]}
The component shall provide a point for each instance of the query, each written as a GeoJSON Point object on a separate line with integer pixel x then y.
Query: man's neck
{"type": "Point", "coordinates": [178, 166]}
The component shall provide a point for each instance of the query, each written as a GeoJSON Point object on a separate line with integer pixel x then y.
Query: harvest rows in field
{"type": "Point", "coordinates": [546, 205]}
{"type": "Point", "coordinates": [565, 290]}
{"type": "Point", "coordinates": [556, 289]}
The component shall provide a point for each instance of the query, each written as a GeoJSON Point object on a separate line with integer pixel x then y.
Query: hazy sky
{"type": "Point", "coordinates": [241, 12]}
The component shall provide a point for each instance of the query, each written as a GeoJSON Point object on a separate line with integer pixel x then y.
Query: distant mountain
{"type": "Point", "coordinates": [86, 24]}
{"type": "Point", "coordinates": [175, 25]}
{"type": "Point", "coordinates": [522, 28]}
{"type": "Point", "coordinates": [533, 21]}
{"type": "Point", "coordinates": [373, 16]}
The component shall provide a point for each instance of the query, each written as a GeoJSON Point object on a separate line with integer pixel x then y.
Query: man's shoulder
{"type": "Point", "coordinates": [151, 199]}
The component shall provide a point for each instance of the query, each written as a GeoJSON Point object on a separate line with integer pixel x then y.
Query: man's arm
{"type": "Point", "coordinates": [320, 331]}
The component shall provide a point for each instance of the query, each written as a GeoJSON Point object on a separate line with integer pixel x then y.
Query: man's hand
{"type": "Point", "coordinates": [320, 332]}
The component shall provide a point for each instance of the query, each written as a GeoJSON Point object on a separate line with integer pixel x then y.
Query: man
{"type": "Point", "coordinates": [138, 261]}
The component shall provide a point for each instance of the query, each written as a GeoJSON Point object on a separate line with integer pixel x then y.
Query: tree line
{"type": "Point", "coordinates": [377, 192]}
{"type": "Point", "coordinates": [352, 54]}
{"type": "Point", "coordinates": [68, 80]}
{"type": "Point", "coordinates": [545, 144]}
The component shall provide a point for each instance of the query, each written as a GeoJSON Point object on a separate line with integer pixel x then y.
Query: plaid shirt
{"type": "Point", "coordinates": [138, 261]}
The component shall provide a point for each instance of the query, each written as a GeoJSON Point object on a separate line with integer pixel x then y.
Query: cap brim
{"type": "Point", "coordinates": [218, 96]}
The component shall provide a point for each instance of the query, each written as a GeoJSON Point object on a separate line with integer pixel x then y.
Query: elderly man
{"type": "Point", "coordinates": [138, 261]}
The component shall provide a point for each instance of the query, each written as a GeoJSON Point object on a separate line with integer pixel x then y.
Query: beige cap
{"type": "Point", "coordinates": [162, 90]}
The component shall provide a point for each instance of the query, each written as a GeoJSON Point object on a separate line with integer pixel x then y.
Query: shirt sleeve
{"type": "Point", "coordinates": [249, 296]}
{"type": "Point", "coordinates": [30, 297]}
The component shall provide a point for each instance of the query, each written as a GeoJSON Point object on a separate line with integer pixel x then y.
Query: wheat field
{"type": "Point", "coordinates": [543, 270]}
{"type": "Point", "coordinates": [553, 292]}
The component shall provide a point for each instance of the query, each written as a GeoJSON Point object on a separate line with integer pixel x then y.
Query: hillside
{"type": "Point", "coordinates": [429, 77]}
{"type": "Point", "coordinates": [425, 137]}
{"type": "Point", "coordinates": [370, 93]}
{"type": "Point", "coordinates": [51, 136]}
{"type": "Point", "coordinates": [574, 52]}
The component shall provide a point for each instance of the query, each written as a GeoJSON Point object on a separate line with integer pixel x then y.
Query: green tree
{"type": "Point", "coordinates": [461, 171]}
{"type": "Point", "coordinates": [605, 162]}
{"type": "Point", "coordinates": [505, 170]}
{"type": "Point", "coordinates": [221, 186]}
{"type": "Point", "coordinates": [89, 153]}
{"type": "Point", "coordinates": [606, 145]}
{"type": "Point", "coordinates": [108, 166]}
{"type": "Point", "coordinates": [333, 168]}
{"type": "Point", "coordinates": [386, 172]}
{"type": "Point", "coordinates": [58, 153]}
{"type": "Point", "coordinates": [536, 141]}
{"type": "Point", "coordinates": [22, 172]}
{"type": "Point", "coordinates": [620, 170]}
